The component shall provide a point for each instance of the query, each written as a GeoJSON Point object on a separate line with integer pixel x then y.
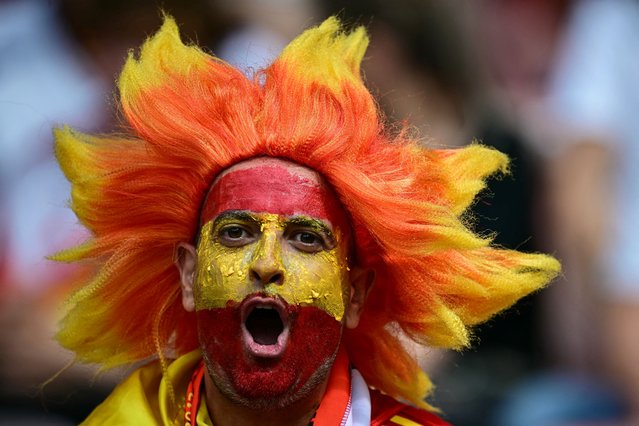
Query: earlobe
{"type": "Point", "coordinates": [361, 284]}
{"type": "Point", "coordinates": [186, 262]}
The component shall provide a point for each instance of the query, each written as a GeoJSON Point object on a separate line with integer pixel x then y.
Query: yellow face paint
{"type": "Point", "coordinates": [298, 259]}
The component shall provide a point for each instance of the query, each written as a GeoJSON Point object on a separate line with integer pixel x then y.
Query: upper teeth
{"type": "Point", "coordinates": [260, 306]}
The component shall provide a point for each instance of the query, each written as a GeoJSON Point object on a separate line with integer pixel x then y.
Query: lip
{"type": "Point", "coordinates": [253, 348]}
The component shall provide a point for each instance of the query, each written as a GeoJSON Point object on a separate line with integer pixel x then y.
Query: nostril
{"type": "Point", "coordinates": [263, 279]}
{"type": "Point", "coordinates": [276, 278]}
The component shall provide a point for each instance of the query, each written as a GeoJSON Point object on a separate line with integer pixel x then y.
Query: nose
{"type": "Point", "coordinates": [266, 266]}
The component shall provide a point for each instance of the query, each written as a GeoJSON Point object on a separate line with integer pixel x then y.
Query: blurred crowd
{"type": "Point", "coordinates": [552, 83]}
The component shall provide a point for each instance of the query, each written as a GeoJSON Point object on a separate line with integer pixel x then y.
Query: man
{"type": "Point", "coordinates": [307, 240]}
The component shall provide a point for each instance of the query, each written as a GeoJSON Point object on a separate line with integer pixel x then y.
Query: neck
{"type": "Point", "coordinates": [225, 412]}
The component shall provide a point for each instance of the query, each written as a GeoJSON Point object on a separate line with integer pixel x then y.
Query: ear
{"type": "Point", "coordinates": [186, 262]}
{"type": "Point", "coordinates": [361, 284]}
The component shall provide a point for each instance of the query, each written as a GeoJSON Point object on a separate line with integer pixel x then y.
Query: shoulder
{"type": "Point", "coordinates": [387, 411]}
{"type": "Point", "coordinates": [144, 398]}
{"type": "Point", "coordinates": [134, 401]}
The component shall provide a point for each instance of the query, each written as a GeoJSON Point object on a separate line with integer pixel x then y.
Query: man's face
{"type": "Point", "coordinates": [272, 282]}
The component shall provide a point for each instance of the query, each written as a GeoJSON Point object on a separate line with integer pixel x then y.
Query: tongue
{"type": "Point", "coordinates": [265, 325]}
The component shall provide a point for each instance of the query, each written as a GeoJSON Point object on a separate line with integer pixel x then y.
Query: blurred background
{"type": "Point", "coordinates": [552, 83]}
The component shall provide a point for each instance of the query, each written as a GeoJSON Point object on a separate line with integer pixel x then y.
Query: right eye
{"type": "Point", "coordinates": [234, 236]}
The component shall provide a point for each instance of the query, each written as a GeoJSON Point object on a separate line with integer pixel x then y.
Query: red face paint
{"type": "Point", "coordinates": [274, 186]}
{"type": "Point", "coordinates": [313, 342]}
{"type": "Point", "coordinates": [302, 361]}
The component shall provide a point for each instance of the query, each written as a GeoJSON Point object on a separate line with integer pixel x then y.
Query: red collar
{"type": "Point", "coordinates": [336, 402]}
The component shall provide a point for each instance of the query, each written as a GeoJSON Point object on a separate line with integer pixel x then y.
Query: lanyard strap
{"type": "Point", "coordinates": [192, 402]}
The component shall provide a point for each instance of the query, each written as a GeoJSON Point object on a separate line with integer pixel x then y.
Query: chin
{"type": "Point", "coordinates": [264, 354]}
{"type": "Point", "coordinates": [272, 399]}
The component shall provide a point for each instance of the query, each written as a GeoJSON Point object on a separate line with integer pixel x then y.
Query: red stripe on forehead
{"type": "Point", "coordinates": [274, 189]}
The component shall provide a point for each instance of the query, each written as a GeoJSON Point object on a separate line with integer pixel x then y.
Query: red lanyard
{"type": "Point", "coordinates": [192, 402]}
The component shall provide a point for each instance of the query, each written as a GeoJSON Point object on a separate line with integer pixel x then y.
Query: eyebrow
{"type": "Point", "coordinates": [239, 215]}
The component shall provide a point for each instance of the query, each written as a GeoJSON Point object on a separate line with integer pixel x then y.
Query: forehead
{"type": "Point", "coordinates": [270, 185]}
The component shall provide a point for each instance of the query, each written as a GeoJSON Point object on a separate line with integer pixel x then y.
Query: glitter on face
{"type": "Point", "coordinates": [311, 274]}
{"type": "Point", "coordinates": [272, 280]}
{"type": "Point", "coordinates": [275, 218]}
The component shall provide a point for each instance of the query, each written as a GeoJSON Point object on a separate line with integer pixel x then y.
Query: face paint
{"type": "Point", "coordinates": [307, 278]}
{"type": "Point", "coordinates": [274, 186]}
{"type": "Point", "coordinates": [313, 342]}
{"type": "Point", "coordinates": [272, 280]}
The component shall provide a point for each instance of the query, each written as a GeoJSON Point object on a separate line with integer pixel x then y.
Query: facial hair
{"type": "Point", "coordinates": [266, 383]}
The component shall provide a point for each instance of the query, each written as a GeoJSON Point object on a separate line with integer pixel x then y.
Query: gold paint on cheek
{"type": "Point", "coordinates": [221, 272]}
{"type": "Point", "coordinates": [316, 279]}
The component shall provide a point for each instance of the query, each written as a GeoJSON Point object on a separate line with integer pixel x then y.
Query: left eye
{"type": "Point", "coordinates": [234, 236]}
{"type": "Point", "coordinates": [307, 241]}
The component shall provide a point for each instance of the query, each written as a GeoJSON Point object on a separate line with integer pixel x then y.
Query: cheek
{"type": "Point", "coordinates": [221, 273]}
{"type": "Point", "coordinates": [318, 280]}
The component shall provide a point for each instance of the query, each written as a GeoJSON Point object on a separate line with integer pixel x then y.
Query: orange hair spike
{"type": "Point", "coordinates": [192, 115]}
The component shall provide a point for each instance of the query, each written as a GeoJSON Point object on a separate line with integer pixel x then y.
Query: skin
{"type": "Point", "coordinates": [288, 241]}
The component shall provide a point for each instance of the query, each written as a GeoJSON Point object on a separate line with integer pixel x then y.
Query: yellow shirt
{"type": "Point", "coordinates": [144, 398]}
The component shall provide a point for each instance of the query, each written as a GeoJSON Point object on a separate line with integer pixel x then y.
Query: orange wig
{"type": "Point", "coordinates": [192, 115]}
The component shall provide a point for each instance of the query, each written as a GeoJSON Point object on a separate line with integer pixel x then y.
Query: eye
{"type": "Point", "coordinates": [234, 236]}
{"type": "Point", "coordinates": [307, 241]}
{"type": "Point", "coordinates": [234, 232]}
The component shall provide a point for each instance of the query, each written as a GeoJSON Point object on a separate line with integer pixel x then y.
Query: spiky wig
{"type": "Point", "coordinates": [192, 115]}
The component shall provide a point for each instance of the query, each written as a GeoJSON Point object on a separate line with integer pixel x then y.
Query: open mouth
{"type": "Point", "coordinates": [264, 327]}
